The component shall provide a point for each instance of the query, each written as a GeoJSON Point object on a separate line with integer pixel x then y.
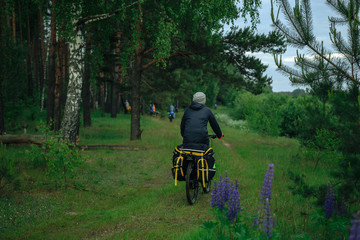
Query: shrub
{"type": "Point", "coordinates": [61, 158]}
{"type": "Point", "coordinates": [6, 167]}
{"type": "Point", "coordinates": [267, 115]}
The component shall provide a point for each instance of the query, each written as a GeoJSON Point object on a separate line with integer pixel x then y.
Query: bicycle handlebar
{"type": "Point", "coordinates": [213, 136]}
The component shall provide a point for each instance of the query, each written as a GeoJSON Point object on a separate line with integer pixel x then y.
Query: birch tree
{"type": "Point", "coordinates": [70, 123]}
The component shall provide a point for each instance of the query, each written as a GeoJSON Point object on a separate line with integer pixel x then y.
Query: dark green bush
{"type": "Point", "coordinates": [7, 170]}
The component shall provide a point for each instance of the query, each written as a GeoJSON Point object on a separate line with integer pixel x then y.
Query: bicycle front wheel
{"type": "Point", "coordinates": [192, 185]}
{"type": "Point", "coordinates": [207, 187]}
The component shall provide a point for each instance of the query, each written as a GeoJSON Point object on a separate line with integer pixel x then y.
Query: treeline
{"type": "Point", "coordinates": [58, 57]}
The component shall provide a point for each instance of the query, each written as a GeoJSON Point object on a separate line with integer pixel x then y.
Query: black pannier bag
{"type": "Point", "coordinates": [205, 164]}
{"type": "Point", "coordinates": [179, 165]}
{"type": "Point", "coordinates": [206, 168]}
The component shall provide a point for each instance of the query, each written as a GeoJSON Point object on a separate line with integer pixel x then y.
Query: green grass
{"type": "Point", "coordinates": [130, 194]}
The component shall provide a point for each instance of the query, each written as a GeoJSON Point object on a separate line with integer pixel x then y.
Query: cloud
{"type": "Point", "coordinates": [290, 59]}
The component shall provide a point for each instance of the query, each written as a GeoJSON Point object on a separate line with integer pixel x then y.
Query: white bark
{"type": "Point", "coordinates": [70, 123]}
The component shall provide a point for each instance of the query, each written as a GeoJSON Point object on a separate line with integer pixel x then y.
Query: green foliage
{"type": "Point", "coordinates": [242, 228]}
{"type": "Point", "coordinates": [292, 112]}
{"type": "Point", "coordinates": [263, 113]}
{"type": "Point", "coordinates": [7, 169]}
{"type": "Point", "coordinates": [332, 228]}
{"type": "Point", "coordinates": [228, 93]}
{"type": "Point", "coordinates": [212, 90]}
{"type": "Point", "coordinates": [61, 158]}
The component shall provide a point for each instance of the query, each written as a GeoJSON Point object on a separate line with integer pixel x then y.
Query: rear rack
{"type": "Point", "coordinates": [191, 150]}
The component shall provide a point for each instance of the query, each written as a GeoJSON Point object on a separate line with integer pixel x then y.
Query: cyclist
{"type": "Point", "coordinates": [194, 124]}
{"type": "Point", "coordinates": [172, 112]}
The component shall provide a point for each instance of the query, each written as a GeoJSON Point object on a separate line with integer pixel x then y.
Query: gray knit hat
{"type": "Point", "coordinates": [200, 97]}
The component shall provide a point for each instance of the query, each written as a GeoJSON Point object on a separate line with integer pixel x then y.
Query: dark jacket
{"type": "Point", "coordinates": [194, 125]}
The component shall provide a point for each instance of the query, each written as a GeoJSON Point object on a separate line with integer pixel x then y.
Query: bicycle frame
{"type": "Point", "coordinates": [194, 162]}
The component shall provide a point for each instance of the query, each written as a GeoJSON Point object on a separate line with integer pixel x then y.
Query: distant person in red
{"type": "Point", "coordinates": [194, 124]}
{"type": "Point", "coordinates": [152, 109]}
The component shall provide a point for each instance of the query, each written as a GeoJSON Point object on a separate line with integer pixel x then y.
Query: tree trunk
{"type": "Point", "coordinates": [59, 81]}
{"type": "Point", "coordinates": [13, 23]}
{"type": "Point", "coordinates": [135, 99]}
{"type": "Point", "coordinates": [86, 84]}
{"type": "Point", "coordinates": [113, 100]}
{"type": "Point", "coordinates": [100, 95]}
{"type": "Point", "coordinates": [108, 91]}
{"type": "Point", "coordinates": [41, 57]}
{"type": "Point", "coordinates": [51, 69]}
{"type": "Point", "coordinates": [20, 22]}
{"type": "Point", "coordinates": [135, 87]}
{"type": "Point", "coordinates": [2, 125]}
{"type": "Point", "coordinates": [117, 76]}
{"type": "Point", "coordinates": [35, 56]}
{"type": "Point", "coordinates": [70, 123]}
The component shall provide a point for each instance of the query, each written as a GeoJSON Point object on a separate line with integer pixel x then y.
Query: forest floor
{"type": "Point", "coordinates": [130, 193]}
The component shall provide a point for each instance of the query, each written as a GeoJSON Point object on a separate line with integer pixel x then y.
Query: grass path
{"type": "Point", "coordinates": [124, 194]}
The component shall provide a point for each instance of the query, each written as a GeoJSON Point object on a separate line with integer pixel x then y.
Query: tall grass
{"type": "Point", "coordinates": [130, 194]}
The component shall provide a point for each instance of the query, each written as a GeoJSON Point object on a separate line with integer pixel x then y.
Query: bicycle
{"type": "Point", "coordinates": [171, 116]}
{"type": "Point", "coordinates": [193, 183]}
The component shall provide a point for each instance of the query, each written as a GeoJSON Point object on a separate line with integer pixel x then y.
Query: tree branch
{"type": "Point", "coordinates": [306, 43]}
{"type": "Point", "coordinates": [98, 17]}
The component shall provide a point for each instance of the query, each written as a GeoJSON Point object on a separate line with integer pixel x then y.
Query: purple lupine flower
{"type": "Point", "coordinates": [221, 194]}
{"type": "Point", "coordinates": [268, 221]}
{"type": "Point", "coordinates": [329, 201]}
{"type": "Point", "coordinates": [234, 204]}
{"type": "Point", "coordinates": [217, 195]}
{"type": "Point", "coordinates": [255, 222]}
{"type": "Point", "coordinates": [265, 220]}
{"type": "Point", "coordinates": [355, 228]}
{"type": "Point", "coordinates": [267, 184]}
{"type": "Point", "coordinates": [227, 187]}
{"type": "Point", "coordinates": [214, 195]}
{"type": "Point", "coordinates": [226, 192]}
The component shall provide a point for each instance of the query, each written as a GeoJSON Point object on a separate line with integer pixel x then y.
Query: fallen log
{"type": "Point", "coordinates": [39, 140]}
{"type": "Point", "coordinates": [22, 139]}
{"type": "Point", "coordinates": [113, 147]}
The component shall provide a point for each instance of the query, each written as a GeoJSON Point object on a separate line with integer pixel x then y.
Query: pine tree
{"type": "Point", "coordinates": [332, 74]}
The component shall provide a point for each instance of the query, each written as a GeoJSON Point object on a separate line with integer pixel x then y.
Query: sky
{"type": "Point", "coordinates": [321, 24]}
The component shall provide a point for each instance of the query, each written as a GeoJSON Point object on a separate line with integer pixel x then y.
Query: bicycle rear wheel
{"type": "Point", "coordinates": [192, 185]}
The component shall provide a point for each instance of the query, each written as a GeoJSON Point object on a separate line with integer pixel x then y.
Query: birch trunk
{"type": "Point", "coordinates": [51, 67]}
{"type": "Point", "coordinates": [41, 58]}
{"type": "Point", "coordinates": [70, 123]}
